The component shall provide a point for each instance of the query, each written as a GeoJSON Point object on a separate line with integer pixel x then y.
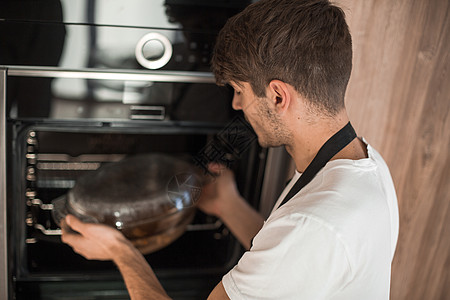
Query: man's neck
{"type": "Point", "coordinates": [309, 139]}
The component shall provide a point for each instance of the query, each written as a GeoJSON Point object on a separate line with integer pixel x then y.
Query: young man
{"type": "Point", "coordinates": [333, 231]}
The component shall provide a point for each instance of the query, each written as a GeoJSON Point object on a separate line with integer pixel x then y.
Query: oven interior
{"type": "Point", "coordinates": [47, 160]}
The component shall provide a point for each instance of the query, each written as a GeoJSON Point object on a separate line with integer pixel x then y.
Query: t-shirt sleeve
{"type": "Point", "coordinates": [292, 257]}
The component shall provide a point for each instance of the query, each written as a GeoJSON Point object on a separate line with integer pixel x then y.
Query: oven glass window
{"type": "Point", "coordinates": [90, 99]}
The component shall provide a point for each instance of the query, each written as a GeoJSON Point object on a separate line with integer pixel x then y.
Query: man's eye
{"type": "Point", "coordinates": [237, 92]}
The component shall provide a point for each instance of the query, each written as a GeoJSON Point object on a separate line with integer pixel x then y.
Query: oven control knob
{"type": "Point", "coordinates": [153, 51]}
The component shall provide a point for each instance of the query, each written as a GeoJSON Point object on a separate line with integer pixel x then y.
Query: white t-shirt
{"type": "Point", "coordinates": [335, 239]}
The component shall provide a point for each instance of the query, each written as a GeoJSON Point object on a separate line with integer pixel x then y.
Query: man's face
{"type": "Point", "coordinates": [259, 113]}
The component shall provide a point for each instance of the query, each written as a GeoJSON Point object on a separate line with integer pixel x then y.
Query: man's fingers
{"type": "Point", "coordinates": [218, 169]}
{"type": "Point", "coordinates": [67, 231]}
{"type": "Point", "coordinates": [75, 223]}
{"type": "Point", "coordinates": [215, 168]}
{"type": "Point", "coordinates": [70, 234]}
{"type": "Point", "coordinates": [72, 238]}
{"type": "Point", "coordinates": [76, 241]}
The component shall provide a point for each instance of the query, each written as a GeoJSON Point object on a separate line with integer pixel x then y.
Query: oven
{"type": "Point", "coordinates": [99, 81]}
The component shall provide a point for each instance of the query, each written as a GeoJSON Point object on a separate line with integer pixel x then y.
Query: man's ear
{"type": "Point", "coordinates": [280, 95]}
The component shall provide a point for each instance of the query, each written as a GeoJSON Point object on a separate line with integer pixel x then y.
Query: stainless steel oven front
{"type": "Point", "coordinates": [113, 86]}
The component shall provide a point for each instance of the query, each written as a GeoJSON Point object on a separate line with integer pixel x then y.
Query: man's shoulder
{"type": "Point", "coordinates": [348, 198]}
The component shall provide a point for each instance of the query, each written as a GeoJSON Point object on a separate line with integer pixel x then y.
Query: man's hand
{"type": "Point", "coordinates": [93, 241]}
{"type": "Point", "coordinates": [219, 191]}
{"type": "Point", "coordinates": [101, 242]}
{"type": "Point", "coordinates": [221, 198]}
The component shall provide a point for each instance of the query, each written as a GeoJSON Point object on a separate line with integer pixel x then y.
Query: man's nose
{"type": "Point", "coordinates": [236, 104]}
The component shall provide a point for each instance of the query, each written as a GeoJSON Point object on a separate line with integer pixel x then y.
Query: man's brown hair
{"type": "Point", "coordinates": [305, 43]}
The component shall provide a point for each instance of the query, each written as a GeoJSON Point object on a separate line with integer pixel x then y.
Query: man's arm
{"type": "Point", "coordinates": [139, 277]}
{"type": "Point", "coordinates": [218, 293]}
{"type": "Point", "coordinates": [222, 199]}
{"type": "Point", "coordinates": [243, 221]}
{"type": "Point", "coordinates": [100, 242]}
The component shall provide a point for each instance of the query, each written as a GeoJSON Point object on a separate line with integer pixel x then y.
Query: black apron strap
{"type": "Point", "coordinates": [331, 147]}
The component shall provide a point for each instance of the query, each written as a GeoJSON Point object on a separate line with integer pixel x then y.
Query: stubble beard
{"type": "Point", "coordinates": [273, 132]}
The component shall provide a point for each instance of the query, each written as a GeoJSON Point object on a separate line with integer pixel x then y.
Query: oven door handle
{"type": "Point", "coordinates": [91, 73]}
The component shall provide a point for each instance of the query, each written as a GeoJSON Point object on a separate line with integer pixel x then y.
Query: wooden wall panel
{"type": "Point", "coordinates": [399, 99]}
